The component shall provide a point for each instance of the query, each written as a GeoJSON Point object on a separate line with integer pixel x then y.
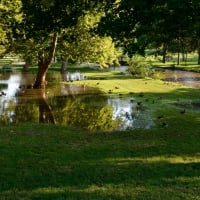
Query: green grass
{"type": "Point", "coordinates": [190, 65]}
{"type": "Point", "coordinates": [40, 161]}
{"type": "Point", "coordinates": [54, 162]}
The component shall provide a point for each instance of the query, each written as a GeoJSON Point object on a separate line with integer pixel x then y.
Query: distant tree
{"type": "Point", "coordinates": [137, 24]}
{"type": "Point", "coordinates": [195, 26]}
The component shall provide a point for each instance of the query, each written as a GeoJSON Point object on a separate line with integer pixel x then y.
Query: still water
{"type": "Point", "coordinates": [68, 104]}
{"type": "Point", "coordinates": [190, 79]}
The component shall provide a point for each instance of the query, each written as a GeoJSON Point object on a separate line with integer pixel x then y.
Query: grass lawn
{"type": "Point", "coordinates": [190, 65]}
{"type": "Point", "coordinates": [51, 162]}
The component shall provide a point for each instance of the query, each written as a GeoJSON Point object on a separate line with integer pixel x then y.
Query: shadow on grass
{"type": "Point", "coordinates": [94, 180]}
{"type": "Point", "coordinates": [119, 165]}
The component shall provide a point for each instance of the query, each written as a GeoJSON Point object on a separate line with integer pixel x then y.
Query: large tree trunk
{"type": "Point", "coordinates": [40, 81]}
{"type": "Point", "coordinates": [199, 56]}
{"type": "Point", "coordinates": [44, 64]}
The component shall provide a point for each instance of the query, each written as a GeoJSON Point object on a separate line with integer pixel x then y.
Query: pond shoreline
{"type": "Point", "coordinates": [177, 68]}
{"type": "Point", "coordinates": [187, 78]}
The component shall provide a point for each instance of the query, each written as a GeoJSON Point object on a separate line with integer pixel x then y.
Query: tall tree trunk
{"type": "Point", "coordinates": [179, 49]}
{"type": "Point", "coordinates": [186, 55]}
{"type": "Point", "coordinates": [178, 58]}
{"type": "Point", "coordinates": [44, 64]}
{"type": "Point", "coordinates": [164, 53]}
{"type": "Point", "coordinates": [199, 56]}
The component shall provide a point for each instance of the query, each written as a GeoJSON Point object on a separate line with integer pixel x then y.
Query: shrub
{"type": "Point", "coordinates": [140, 66]}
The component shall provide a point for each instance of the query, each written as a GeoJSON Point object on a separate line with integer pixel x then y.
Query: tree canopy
{"type": "Point", "coordinates": [87, 29]}
{"type": "Point", "coordinates": [10, 15]}
{"type": "Point", "coordinates": [137, 24]}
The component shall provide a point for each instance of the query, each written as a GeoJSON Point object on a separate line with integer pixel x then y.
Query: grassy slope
{"type": "Point", "coordinates": [55, 162]}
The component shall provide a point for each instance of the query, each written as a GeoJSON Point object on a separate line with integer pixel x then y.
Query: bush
{"type": "Point", "coordinates": [140, 66]}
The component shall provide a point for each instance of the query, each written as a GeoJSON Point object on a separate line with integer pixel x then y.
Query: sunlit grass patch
{"type": "Point", "coordinates": [156, 159]}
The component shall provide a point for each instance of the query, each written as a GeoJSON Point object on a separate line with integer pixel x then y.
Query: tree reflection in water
{"type": "Point", "coordinates": [84, 111]}
{"type": "Point", "coordinates": [70, 105]}
{"type": "Point", "coordinates": [88, 112]}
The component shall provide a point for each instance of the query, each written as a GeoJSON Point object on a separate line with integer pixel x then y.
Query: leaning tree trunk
{"type": "Point", "coordinates": [44, 64]}
{"type": "Point", "coordinates": [40, 81]}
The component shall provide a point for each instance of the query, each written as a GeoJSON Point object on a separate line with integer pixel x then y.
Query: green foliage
{"type": "Point", "coordinates": [137, 24]}
{"type": "Point", "coordinates": [26, 113]}
{"type": "Point", "coordinates": [81, 44]}
{"type": "Point", "coordinates": [10, 15]}
{"type": "Point", "coordinates": [140, 66]}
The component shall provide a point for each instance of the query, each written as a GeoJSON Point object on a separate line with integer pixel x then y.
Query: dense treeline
{"type": "Point", "coordinates": [35, 29]}
{"type": "Point", "coordinates": [166, 25]}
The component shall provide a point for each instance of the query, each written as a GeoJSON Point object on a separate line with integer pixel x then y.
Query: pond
{"type": "Point", "coordinates": [77, 105]}
{"type": "Point", "coordinates": [68, 104]}
{"type": "Point", "coordinates": [190, 79]}
{"type": "Point", "coordinates": [187, 78]}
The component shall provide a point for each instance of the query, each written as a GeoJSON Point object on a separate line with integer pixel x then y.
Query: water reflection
{"type": "Point", "coordinates": [94, 113]}
{"type": "Point", "coordinates": [130, 114]}
{"type": "Point", "coordinates": [190, 79]}
{"type": "Point", "coordinates": [66, 104]}
{"type": "Point", "coordinates": [76, 105]}
{"type": "Point", "coordinates": [88, 112]}
{"type": "Point", "coordinates": [10, 85]}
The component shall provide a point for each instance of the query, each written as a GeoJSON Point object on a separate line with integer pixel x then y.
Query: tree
{"type": "Point", "coordinates": [122, 21]}
{"type": "Point", "coordinates": [43, 21]}
{"type": "Point", "coordinates": [195, 26]}
{"type": "Point", "coordinates": [80, 43]}
{"type": "Point", "coordinates": [137, 24]}
{"type": "Point", "coordinates": [10, 15]}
